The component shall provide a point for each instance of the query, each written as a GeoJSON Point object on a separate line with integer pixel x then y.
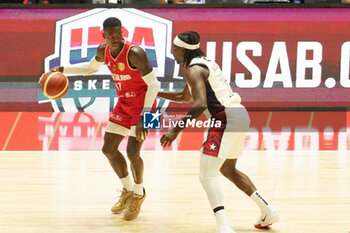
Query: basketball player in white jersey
{"type": "Point", "coordinates": [208, 89]}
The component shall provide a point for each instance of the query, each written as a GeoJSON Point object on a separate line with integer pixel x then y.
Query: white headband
{"type": "Point", "coordinates": [178, 42]}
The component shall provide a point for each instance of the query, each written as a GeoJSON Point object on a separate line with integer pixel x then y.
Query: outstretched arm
{"type": "Point", "coordinates": [85, 68]}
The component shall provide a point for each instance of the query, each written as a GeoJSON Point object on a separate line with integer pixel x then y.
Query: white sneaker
{"type": "Point", "coordinates": [224, 229]}
{"type": "Point", "coordinates": [267, 219]}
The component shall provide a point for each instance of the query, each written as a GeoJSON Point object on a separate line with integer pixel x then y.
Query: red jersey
{"type": "Point", "coordinates": [128, 81]}
{"type": "Point", "coordinates": [130, 87]}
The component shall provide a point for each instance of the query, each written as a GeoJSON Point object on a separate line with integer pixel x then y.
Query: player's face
{"type": "Point", "coordinates": [114, 37]}
{"type": "Point", "coordinates": [178, 53]}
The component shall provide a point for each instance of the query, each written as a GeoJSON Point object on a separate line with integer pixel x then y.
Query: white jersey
{"type": "Point", "coordinates": [227, 141]}
{"type": "Point", "coordinates": [219, 92]}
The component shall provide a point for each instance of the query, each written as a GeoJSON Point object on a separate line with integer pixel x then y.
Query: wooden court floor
{"type": "Point", "coordinates": [59, 192]}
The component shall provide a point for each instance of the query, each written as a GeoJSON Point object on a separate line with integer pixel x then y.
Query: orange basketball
{"type": "Point", "coordinates": [54, 85]}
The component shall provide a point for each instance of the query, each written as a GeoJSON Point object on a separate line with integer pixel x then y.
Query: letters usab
{"type": "Point", "coordinates": [77, 38]}
{"type": "Point", "coordinates": [279, 58]}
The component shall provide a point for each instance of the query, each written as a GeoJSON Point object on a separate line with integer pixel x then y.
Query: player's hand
{"type": "Point", "coordinates": [57, 69]}
{"type": "Point", "coordinates": [168, 138]}
{"type": "Point", "coordinates": [141, 133]}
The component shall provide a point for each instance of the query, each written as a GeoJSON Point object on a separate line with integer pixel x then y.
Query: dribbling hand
{"type": "Point", "coordinates": [55, 69]}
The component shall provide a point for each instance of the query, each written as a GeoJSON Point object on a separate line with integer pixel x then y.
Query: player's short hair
{"type": "Point", "coordinates": [191, 37]}
{"type": "Point", "coordinates": [112, 22]}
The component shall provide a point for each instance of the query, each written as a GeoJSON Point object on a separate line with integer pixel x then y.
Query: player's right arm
{"type": "Point", "coordinates": [85, 68]}
{"type": "Point", "coordinates": [183, 96]}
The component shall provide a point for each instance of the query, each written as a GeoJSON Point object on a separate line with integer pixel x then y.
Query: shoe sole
{"type": "Point", "coordinates": [259, 226]}
{"type": "Point", "coordinates": [117, 212]}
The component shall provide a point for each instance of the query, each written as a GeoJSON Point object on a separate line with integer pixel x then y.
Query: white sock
{"type": "Point", "coordinates": [138, 189]}
{"type": "Point", "coordinates": [127, 183]}
{"type": "Point", "coordinates": [221, 218]}
{"type": "Point", "coordinates": [261, 202]}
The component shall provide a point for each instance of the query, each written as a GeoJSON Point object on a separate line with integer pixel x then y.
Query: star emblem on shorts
{"type": "Point", "coordinates": [212, 146]}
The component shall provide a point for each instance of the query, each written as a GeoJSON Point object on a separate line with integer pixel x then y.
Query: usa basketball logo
{"type": "Point", "coordinates": [77, 38]}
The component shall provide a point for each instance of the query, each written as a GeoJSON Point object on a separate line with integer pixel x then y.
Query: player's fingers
{"type": "Point", "coordinates": [138, 134]}
{"type": "Point", "coordinates": [137, 137]}
{"type": "Point", "coordinates": [165, 144]}
{"type": "Point", "coordinates": [163, 141]}
{"type": "Point", "coordinates": [141, 137]}
{"type": "Point", "coordinates": [143, 134]}
{"type": "Point", "coordinates": [168, 143]}
{"type": "Point", "coordinates": [55, 69]}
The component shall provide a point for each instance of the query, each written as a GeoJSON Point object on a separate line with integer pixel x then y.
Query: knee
{"type": "Point", "coordinates": [205, 178]}
{"type": "Point", "coordinates": [228, 171]}
{"type": "Point", "coordinates": [202, 179]}
{"type": "Point", "coordinates": [225, 171]}
{"type": "Point", "coordinates": [133, 155]}
{"type": "Point", "coordinates": [108, 152]}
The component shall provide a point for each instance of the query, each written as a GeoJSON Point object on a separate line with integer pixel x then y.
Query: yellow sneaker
{"type": "Point", "coordinates": [123, 201]}
{"type": "Point", "coordinates": [133, 209]}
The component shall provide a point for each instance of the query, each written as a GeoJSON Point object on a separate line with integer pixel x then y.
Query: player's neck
{"type": "Point", "coordinates": [116, 52]}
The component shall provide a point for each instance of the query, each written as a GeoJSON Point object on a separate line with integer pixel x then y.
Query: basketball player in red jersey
{"type": "Point", "coordinates": [207, 87]}
{"type": "Point", "coordinates": [137, 88]}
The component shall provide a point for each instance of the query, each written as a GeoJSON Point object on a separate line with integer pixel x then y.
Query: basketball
{"type": "Point", "coordinates": [54, 85]}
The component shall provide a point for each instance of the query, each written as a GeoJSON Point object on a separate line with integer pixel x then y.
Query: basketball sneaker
{"type": "Point", "coordinates": [225, 229]}
{"type": "Point", "coordinates": [133, 209]}
{"type": "Point", "coordinates": [123, 201]}
{"type": "Point", "coordinates": [267, 219]}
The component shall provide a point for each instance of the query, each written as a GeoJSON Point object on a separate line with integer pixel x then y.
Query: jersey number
{"type": "Point", "coordinates": [118, 86]}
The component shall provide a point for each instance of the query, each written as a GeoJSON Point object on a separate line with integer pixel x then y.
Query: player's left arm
{"type": "Point", "coordinates": [139, 60]}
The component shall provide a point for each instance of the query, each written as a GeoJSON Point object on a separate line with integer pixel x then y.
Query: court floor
{"type": "Point", "coordinates": [59, 192]}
